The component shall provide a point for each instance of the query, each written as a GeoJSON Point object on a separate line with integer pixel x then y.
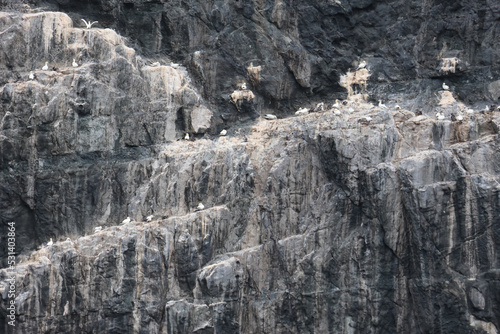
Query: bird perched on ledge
{"type": "Point", "coordinates": [46, 66]}
{"type": "Point", "coordinates": [50, 243]}
{"type": "Point", "coordinates": [270, 116]}
{"type": "Point", "coordinates": [89, 24]}
{"type": "Point", "coordinates": [200, 207]}
{"type": "Point", "coordinates": [149, 218]}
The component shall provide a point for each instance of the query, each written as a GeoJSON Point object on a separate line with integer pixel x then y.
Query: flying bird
{"type": "Point", "coordinates": [89, 24]}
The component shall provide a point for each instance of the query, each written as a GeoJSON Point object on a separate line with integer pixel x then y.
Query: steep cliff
{"type": "Point", "coordinates": [322, 223]}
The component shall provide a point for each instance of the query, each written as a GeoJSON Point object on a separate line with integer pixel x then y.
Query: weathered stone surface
{"type": "Point", "coordinates": [313, 224]}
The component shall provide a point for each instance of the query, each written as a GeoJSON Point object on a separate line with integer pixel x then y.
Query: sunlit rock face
{"type": "Point", "coordinates": [371, 220]}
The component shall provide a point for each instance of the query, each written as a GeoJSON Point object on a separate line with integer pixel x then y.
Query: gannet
{"type": "Point", "coordinates": [68, 239]}
{"type": "Point", "coordinates": [270, 116]}
{"type": "Point", "coordinates": [320, 107]}
{"type": "Point", "coordinates": [368, 118]}
{"type": "Point", "coordinates": [46, 66]}
{"type": "Point", "coordinates": [440, 116]}
{"type": "Point", "coordinates": [50, 243]}
{"type": "Point", "coordinates": [186, 137]}
{"type": "Point", "coordinates": [126, 220]}
{"type": "Point", "coordinates": [31, 76]}
{"type": "Point", "coordinates": [398, 107]}
{"type": "Point", "coordinates": [174, 65]}
{"type": "Point", "coordinates": [469, 111]}
{"type": "Point", "coordinates": [149, 218]}
{"type": "Point", "coordinates": [200, 207]}
{"type": "Point", "coordinates": [75, 64]}
{"type": "Point", "coordinates": [445, 86]}
{"type": "Point", "coordinates": [460, 117]}
{"type": "Point", "coordinates": [97, 229]}
{"type": "Point", "coordinates": [381, 105]}
{"type": "Point", "coordinates": [362, 65]}
{"type": "Point", "coordinates": [302, 111]}
{"type": "Point", "coordinates": [243, 86]}
{"type": "Point", "coordinates": [336, 105]}
{"type": "Point", "coordinates": [337, 112]}
{"type": "Point", "coordinates": [89, 24]}
{"type": "Point", "coordinates": [486, 109]}
{"type": "Point", "coordinates": [223, 132]}
{"type": "Point", "coordinates": [155, 64]}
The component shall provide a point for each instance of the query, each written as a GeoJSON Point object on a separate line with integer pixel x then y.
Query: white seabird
{"type": "Point", "coordinates": [174, 65]}
{"type": "Point", "coordinates": [243, 86]}
{"type": "Point", "coordinates": [186, 137]}
{"type": "Point", "coordinates": [200, 207]}
{"type": "Point", "coordinates": [381, 105]}
{"type": "Point", "coordinates": [68, 239]}
{"type": "Point", "coordinates": [97, 229]}
{"type": "Point", "coordinates": [336, 104]}
{"type": "Point", "coordinates": [46, 66]}
{"type": "Point", "coordinates": [398, 107]}
{"type": "Point", "coordinates": [270, 116]}
{"type": "Point", "coordinates": [445, 86]}
{"type": "Point", "coordinates": [89, 24]}
{"type": "Point", "coordinates": [223, 132]}
{"type": "Point", "coordinates": [440, 116]}
{"type": "Point", "coordinates": [155, 64]}
{"type": "Point", "coordinates": [337, 112]}
{"type": "Point", "coordinates": [149, 218]}
{"type": "Point", "coordinates": [362, 65]}
{"type": "Point", "coordinates": [126, 220]}
{"type": "Point", "coordinates": [368, 118]}
{"type": "Point", "coordinates": [460, 117]}
{"type": "Point", "coordinates": [75, 64]}
{"type": "Point", "coordinates": [50, 243]}
{"type": "Point", "coordinates": [302, 111]}
{"type": "Point", "coordinates": [31, 76]}
{"type": "Point", "coordinates": [469, 111]}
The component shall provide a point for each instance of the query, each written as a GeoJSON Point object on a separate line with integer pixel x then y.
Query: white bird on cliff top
{"type": "Point", "coordinates": [381, 105]}
{"type": "Point", "coordinates": [46, 66]}
{"type": "Point", "coordinates": [460, 117]}
{"type": "Point", "coordinates": [174, 65]}
{"type": "Point", "coordinates": [186, 137]}
{"type": "Point", "coordinates": [336, 104]}
{"type": "Point", "coordinates": [200, 207]}
{"type": "Point", "coordinates": [68, 239]}
{"type": "Point", "coordinates": [50, 243]}
{"type": "Point", "coordinates": [362, 65]}
{"type": "Point", "coordinates": [337, 112]}
{"type": "Point", "coordinates": [126, 220]}
{"type": "Point", "coordinates": [97, 229]}
{"type": "Point", "coordinates": [223, 132]}
{"type": "Point", "coordinates": [149, 218]}
{"type": "Point", "coordinates": [270, 116]}
{"type": "Point", "coordinates": [31, 76]}
{"type": "Point", "coordinates": [89, 24]}
{"type": "Point", "coordinates": [302, 111]}
{"type": "Point", "coordinates": [469, 111]}
{"type": "Point", "coordinates": [445, 86]}
{"type": "Point", "coordinates": [75, 64]}
{"type": "Point", "coordinates": [155, 64]}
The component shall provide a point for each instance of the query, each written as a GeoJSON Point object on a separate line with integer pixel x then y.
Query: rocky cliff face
{"type": "Point", "coordinates": [321, 223]}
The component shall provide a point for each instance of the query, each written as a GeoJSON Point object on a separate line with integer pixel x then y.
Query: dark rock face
{"type": "Point", "coordinates": [313, 224]}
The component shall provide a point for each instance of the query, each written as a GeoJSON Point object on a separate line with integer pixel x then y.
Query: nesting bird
{"type": "Point", "coordinates": [362, 65]}
{"type": "Point", "coordinates": [50, 243]}
{"type": "Point", "coordinates": [31, 76]}
{"type": "Point", "coordinates": [155, 64]}
{"type": "Point", "coordinates": [186, 137]}
{"type": "Point", "coordinates": [46, 66]}
{"type": "Point", "coordinates": [469, 111]}
{"type": "Point", "coordinates": [302, 111]}
{"type": "Point", "coordinates": [440, 116]}
{"type": "Point", "coordinates": [337, 112]}
{"type": "Point", "coordinates": [319, 107]}
{"type": "Point", "coordinates": [270, 116]}
{"type": "Point", "coordinates": [89, 24]}
{"type": "Point", "coordinates": [398, 107]}
{"type": "Point", "coordinates": [174, 65]}
{"type": "Point", "coordinates": [336, 104]}
{"type": "Point", "coordinates": [75, 64]}
{"type": "Point", "coordinates": [223, 132]}
{"type": "Point", "coordinates": [200, 207]}
{"type": "Point", "coordinates": [445, 86]}
{"type": "Point", "coordinates": [460, 117]}
{"type": "Point", "coordinates": [68, 239]}
{"type": "Point", "coordinates": [126, 220]}
{"type": "Point", "coordinates": [381, 105]}
{"type": "Point", "coordinates": [97, 229]}
{"type": "Point", "coordinates": [149, 218]}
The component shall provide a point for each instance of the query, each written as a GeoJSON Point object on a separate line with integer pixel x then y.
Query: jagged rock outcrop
{"type": "Point", "coordinates": [321, 223]}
